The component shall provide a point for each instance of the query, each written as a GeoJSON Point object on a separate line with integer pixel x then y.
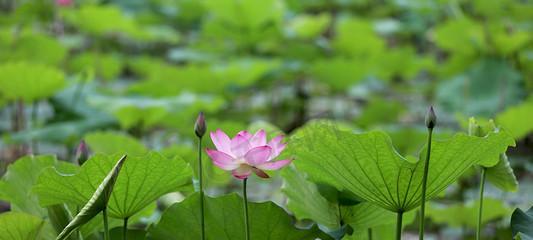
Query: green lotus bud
{"type": "Point", "coordinates": [199, 126]}
{"type": "Point", "coordinates": [431, 118]}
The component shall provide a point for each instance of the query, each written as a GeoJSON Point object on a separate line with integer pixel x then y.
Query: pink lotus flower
{"type": "Point", "coordinates": [247, 153]}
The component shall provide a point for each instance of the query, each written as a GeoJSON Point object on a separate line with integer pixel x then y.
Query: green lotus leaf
{"type": "Point", "coordinates": [19, 226]}
{"type": "Point", "coordinates": [18, 82]}
{"type": "Point", "coordinates": [225, 221]}
{"type": "Point", "coordinates": [143, 180]}
{"type": "Point", "coordinates": [368, 165]}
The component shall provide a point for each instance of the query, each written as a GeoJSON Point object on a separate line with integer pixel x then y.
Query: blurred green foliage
{"type": "Point", "coordinates": [132, 75]}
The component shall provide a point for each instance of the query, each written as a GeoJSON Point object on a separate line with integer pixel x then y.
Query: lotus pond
{"type": "Point", "coordinates": [266, 120]}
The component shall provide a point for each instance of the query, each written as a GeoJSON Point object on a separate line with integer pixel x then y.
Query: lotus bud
{"type": "Point", "coordinates": [199, 126]}
{"type": "Point", "coordinates": [82, 153]}
{"type": "Point", "coordinates": [431, 118]}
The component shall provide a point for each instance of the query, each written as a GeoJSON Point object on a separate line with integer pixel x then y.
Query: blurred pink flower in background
{"type": "Point", "coordinates": [64, 3]}
{"type": "Point", "coordinates": [247, 153]}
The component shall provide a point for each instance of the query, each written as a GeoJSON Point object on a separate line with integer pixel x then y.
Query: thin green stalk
{"type": "Point", "coordinates": [245, 199]}
{"type": "Point", "coordinates": [200, 177]}
{"type": "Point", "coordinates": [106, 225]}
{"type": "Point", "coordinates": [125, 229]}
{"type": "Point", "coordinates": [34, 120]}
{"type": "Point", "coordinates": [424, 184]}
{"type": "Point", "coordinates": [480, 210]}
{"type": "Point", "coordinates": [369, 230]}
{"type": "Point", "coordinates": [399, 218]}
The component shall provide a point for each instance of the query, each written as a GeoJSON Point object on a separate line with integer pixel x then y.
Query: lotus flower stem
{"type": "Point", "coordinates": [369, 230]}
{"type": "Point", "coordinates": [125, 229]}
{"type": "Point", "coordinates": [424, 184]}
{"type": "Point", "coordinates": [199, 129]}
{"type": "Point", "coordinates": [201, 183]}
{"type": "Point", "coordinates": [106, 225]}
{"type": "Point", "coordinates": [480, 210]}
{"type": "Point", "coordinates": [399, 218]}
{"type": "Point", "coordinates": [245, 200]}
{"type": "Point", "coordinates": [431, 121]}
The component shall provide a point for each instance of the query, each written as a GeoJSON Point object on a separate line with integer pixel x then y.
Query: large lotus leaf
{"type": "Point", "coordinates": [502, 176]}
{"type": "Point", "coordinates": [28, 81]}
{"type": "Point", "coordinates": [98, 201]}
{"type": "Point", "coordinates": [114, 142]}
{"type": "Point", "coordinates": [37, 48]}
{"type": "Point", "coordinates": [19, 226]}
{"type": "Point", "coordinates": [225, 221]}
{"type": "Point", "coordinates": [521, 223]}
{"type": "Point", "coordinates": [461, 214]}
{"type": "Point", "coordinates": [143, 179]}
{"type": "Point", "coordinates": [368, 165]}
{"type": "Point", "coordinates": [517, 119]}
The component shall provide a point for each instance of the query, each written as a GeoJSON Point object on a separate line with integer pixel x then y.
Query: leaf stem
{"type": "Point", "coordinates": [369, 231]}
{"type": "Point", "coordinates": [399, 218]}
{"type": "Point", "coordinates": [480, 210]}
{"type": "Point", "coordinates": [125, 229]}
{"type": "Point", "coordinates": [200, 177]}
{"type": "Point", "coordinates": [245, 200]}
{"type": "Point", "coordinates": [424, 184]}
{"type": "Point", "coordinates": [106, 225]}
